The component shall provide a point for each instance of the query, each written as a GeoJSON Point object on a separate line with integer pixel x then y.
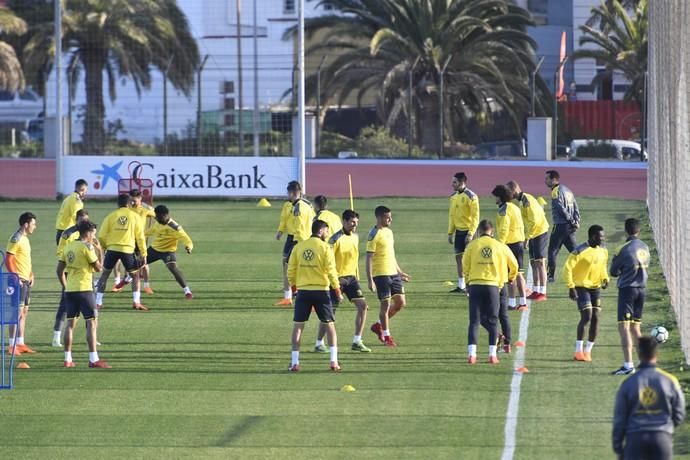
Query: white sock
{"type": "Point", "coordinates": [334, 354]}
{"type": "Point", "coordinates": [386, 333]}
{"type": "Point", "coordinates": [68, 356]}
{"type": "Point", "coordinates": [628, 365]}
{"type": "Point", "coordinates": [461, 282]}
{"type": "Point", "coordinates": [93, 356]}
{"type": "Point", "coordinates": [472, 350]}
{"type": "Point", "coordinates": [295, 358]}
{"type": "Point", "coordinates": [11, 342]}
{"type": "Point", "coordinates": [187, 290]}
{"type": "Point", "coordinates": [287, 294]}
{"type": "Point", "coordinates": [492, 350]}
{"type": "Point", "coordinates": [117, 279]}
{"type": "Point", "coordinates": [512, 302]}
{"type": "Point", "coordinates": [589, 346]}
{"type": "Point", "coordinates": [578, 345]}
{"type": "Point", "coordinates": [319, 343]}
{"type": "Point", "coordinates": [136, 296]}
{"type": "Point", "coordinates": [523, 300]}
{"type": "Point", "coordinates": [542, 289]}
{"type": "Point", "coordinates": [56, 335]}
{"type": "Point", "coordinates": [20, 340]}
{"type": "Point", "coordinates": [128, 279]}
{"type": "Point", "coordinates": [146, 284]}
{"type": "Point", "coordinates": [99, 298]}
{"type": "Point", "coordinates": [357, 339]}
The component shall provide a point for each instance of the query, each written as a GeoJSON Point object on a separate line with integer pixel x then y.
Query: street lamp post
{"type": "Point", "coordinates": [199, 131]}
{"type": "Point", "coordinates": [534, 84]}
{"type": "Point", "coordinates": [165, 104]}
{"type": "Point", "coordinates": [440, 105]}
{"type": "Point", "coordinates": [318, 104]}
{"type": "Point", "coordinates": [409, 107]}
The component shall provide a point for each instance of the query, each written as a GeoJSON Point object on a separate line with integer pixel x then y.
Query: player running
{"type": "Point", "coordinates": [80, 259]}
{"type": "Point", "coordinates": [384, 275]}
{"type": "Point", "coordinates": [585, 275]}
{"type": "Point", "coordinates": [630, 266]}
{"type": "Point", "coordinates": [18, 261]}
{"type": "Point", "coordinates": [296, 218]}
{"type": "Point", "coordinates": [122, 230]}
{"type": "Point", "coordinates": [536, 238]}
{"type": "Point", "coordinates": [345, 245]}
{"type": "Point", "coordinates": [463, 218]}
{"type": "Point", "coordinates": [322, 213]}
{"type": "Point", "coordinates": [311, 273]}
{"type": "Point", "coordinates": [69, 207]}
{"type": "Point", "coordinates": [166, 235]}
{"type": "Point", "coordinates": [485, 263]}
{"type": "Point", "coordinates": [510, 231]}
{"type": "Point", "coordinates": [566, 219]}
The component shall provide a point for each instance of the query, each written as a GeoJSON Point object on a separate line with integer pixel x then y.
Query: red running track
{"type": "Point", "coordinates": [33, 178]}
{"type": "Point", "coordinates": [429, 180]}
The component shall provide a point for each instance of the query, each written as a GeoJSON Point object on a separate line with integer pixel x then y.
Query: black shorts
{"type": "Point", "coordinates": [459, 242]}
{"type": "Point", "coordinates": [83, 302]}
{"type": "Point", "coordinates": [388, 286]}
{"type": "Point", "coordinates": [320, 300]}
{"type": "Point", "coordinates": [24, 293]}
{"type": "Point", "coordinates": [630, 303]}
{"type": "Point", "coordinates": [129, 261]}
{"type": "Point", "coordinates": [537, 246]}
{"type": "Point", "coordinates": [518, 250]}
{"type": "Point", "coordinates": [349, 285]}
{"type": "Point", "coordinates": [290, 243]}
{"type": "Point", "coordinates": [166, 257]}
{"type": "Point", "coordinates": [588, 298]}
{"type": "Point", "coordinates": [58, 235]}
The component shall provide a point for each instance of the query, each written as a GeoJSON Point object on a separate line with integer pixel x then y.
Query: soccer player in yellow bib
{"type": "Point", "coordinates": [312, 273]}
{"type": "Point", "coordinates": [19, 261]}
{"type": "Point", "coordinates": [296, 218]}
{"type": "Point", "coordinates": [510, 231]}
{"type": "Point", "coordinates": [146, 213]}
{"type": "Point", "coordinates": [70, 234]}
{"type": "Point", "coordinates": [322, 213]}
{"type": "Point", "coordinates": [585, 274]}
{"type": "Point", "coordinates": [69, 207]}
{"type": "Point", "coordinates": [166, 235]}
{"type": "Point", "coordinates": [485, 263]}
{"type": "Point", "coordinates": [122, 230]}
{"type": "Point", "coordinates": [384, 275]}
{"type": "Point", "coordinates": [79, 260]}
{"type": "Point", "coordinates": [345, 245]}
{"type": "Point", "coordinates": [463, 218]}
{"type": "Point", "coordinates": [536, 238]}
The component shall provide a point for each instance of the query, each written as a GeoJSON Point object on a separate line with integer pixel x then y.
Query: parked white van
{"type": "Point", "coordinates": [19, 106]}
{"type": "Point", "coordinates": [624, 150]}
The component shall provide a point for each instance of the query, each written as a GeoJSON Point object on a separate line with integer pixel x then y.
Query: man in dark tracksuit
{"type": "Point", "coordinates": [649, 405]}
{"type": "Point", "coordinates": [565, 217]}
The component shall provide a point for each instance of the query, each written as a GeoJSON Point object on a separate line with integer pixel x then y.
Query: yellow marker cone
{"type": "Point", "coordinates": [541, 201]}
{"type": "Point", "coordinates": [263, 203]}
{"type": "Point", "coordinates": [449, 283]}
{"type": "Point", "coordinates": [23, 365]}
{"type": "Point", "coordinates": [348, 389]}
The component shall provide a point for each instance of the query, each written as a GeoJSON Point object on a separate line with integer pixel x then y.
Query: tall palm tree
{"type": "Point", "coordinates": [124, 39]}
{"type": "Point", "coordinates": [11, 75]}
{"type": "Point", "coordinates": [621, 44]}
{"type": "Point", "coordinates": [378, 43]}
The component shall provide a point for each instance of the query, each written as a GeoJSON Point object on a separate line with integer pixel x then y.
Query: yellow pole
{"type": "Point", "coordinates": [349, 182]}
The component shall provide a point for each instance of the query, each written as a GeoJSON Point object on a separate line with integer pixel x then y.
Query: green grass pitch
{"type": "Point", "coordinates": [207, 378]}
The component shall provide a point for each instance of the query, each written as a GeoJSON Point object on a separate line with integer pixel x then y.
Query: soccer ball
{"type": "Point", "coordinates": [660, 333]}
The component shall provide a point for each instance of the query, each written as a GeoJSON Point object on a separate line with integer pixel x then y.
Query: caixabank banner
{"type": "Point", "coordinates": [183, 176]}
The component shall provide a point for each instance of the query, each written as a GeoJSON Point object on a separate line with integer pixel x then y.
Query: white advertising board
{"type": "Point", "coordinates": [184, 176]}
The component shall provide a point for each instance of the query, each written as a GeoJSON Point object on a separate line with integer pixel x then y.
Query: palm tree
{"type": "Point", "coordinates": [124, 39]}
{"type": "Point", "coordinates": [11, 75]}
{"type": "Point", "coordinates": [621, 44]}
{"type": "Point", "coordinates": [378, 43]}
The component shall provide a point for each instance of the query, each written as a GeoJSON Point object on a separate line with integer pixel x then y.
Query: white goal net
{"type": "Point", "coordinates": [669, 147]}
